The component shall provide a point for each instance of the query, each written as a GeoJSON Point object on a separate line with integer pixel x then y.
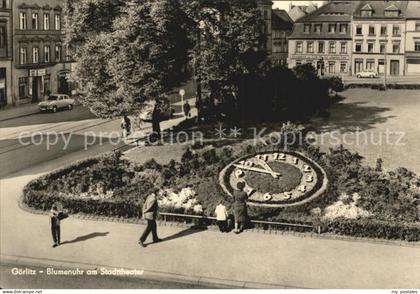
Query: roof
{"type": "Point", "coordinates": [281, 20]}
{"type": "Point", "coordinates": [379, 8]}
{"type": "Point", "coordinates": [413, 10]}
{"type": "Point", "coordinates": [336, 11]}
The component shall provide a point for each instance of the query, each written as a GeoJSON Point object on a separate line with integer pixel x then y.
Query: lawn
{"type": "Point", "coordinates": [377, 124]}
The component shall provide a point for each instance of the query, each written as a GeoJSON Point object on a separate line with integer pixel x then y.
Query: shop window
{"type": "Point", "coordinates": [23, 87]}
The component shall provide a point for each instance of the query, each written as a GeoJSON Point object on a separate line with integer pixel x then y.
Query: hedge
{"type": "Point", "coordinates": [371, 228]}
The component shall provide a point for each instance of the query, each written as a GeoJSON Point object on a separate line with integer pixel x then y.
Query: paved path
{"type": "Point", "coordinates": [272, 259]}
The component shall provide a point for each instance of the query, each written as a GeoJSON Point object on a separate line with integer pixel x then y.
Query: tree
{"type": "Point", "coordinates": [228, 38]}
{"type": "Point", "coordinates": [128, 57]}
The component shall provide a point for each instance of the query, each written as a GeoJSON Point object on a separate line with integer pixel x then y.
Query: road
{"type": "Point", "coordinates": [380, 80]}
{"type": "Point", "coordinates": [34, 139]}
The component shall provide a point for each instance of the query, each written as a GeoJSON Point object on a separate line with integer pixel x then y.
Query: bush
{"type": "Point", "coordinates": [370, 228]}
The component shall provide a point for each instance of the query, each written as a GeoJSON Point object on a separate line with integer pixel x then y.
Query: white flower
{"type": "Point", "coordinates": [198, 208]}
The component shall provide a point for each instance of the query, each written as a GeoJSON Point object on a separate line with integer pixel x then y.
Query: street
{"type": "Point", "coordinates": [47, 136]}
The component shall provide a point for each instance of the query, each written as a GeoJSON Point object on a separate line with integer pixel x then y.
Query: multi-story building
{"type": "Point", "coordinates": [5, 53]}
{"type": "Point", "coordinates": [412, 38]}
{"type": "Point", "coordinates": [40, 62]}
{"type": "Point", "coordinates": [323, 38]}
{"type": "Point", "coordinates": [265, 7]}
{"type": "Point", "coordinates": [379, 37]}
{"type": "Point", "coordinates": [282, 27]}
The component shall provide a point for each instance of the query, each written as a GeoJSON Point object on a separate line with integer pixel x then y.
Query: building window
{"type": "Point", "coordinates": [299, 47]}
{"type": "Point", "coordinates": [310, 47]}
{"type": "Point", "coordinates": [331, 67]}
{"type": "Point", "coordinates": [321, 48]}
{"type": "Point", "coordinates": [307, 28]}
{"type": "Point", "coordinates": [58, 22]}
{"type": "Point", "coordinates": [396, 30]}
{"type": "Point", "coordinates": [46, 21]}
{"type": "Point", "coordinates": [298, 62]}
{"type": "Point", "coordinates": [392, 13]}
{"type": "Point", "coordinates": [383, 30]}
{"type": "Point", "coordinates": [343, 28]}
{"type": "Point", "coordinates": [370, 47]}
{"type": "Point", "coordinates": [35, 55]}
{"type": "Point", "coordinates": [371, 30]}
{"type": "Point", "coordinates": [343, 67]}
{"type": "Point", "coordinates": [343, 47]}
{"type": "Point", "coordinates": [382, 48]}
{"type": "Point", "coordinates": [34, 21]}
{"type": "Point", "coordinates": [332, 47]}
{"type": "Point", "coordinates": [47, 53]}
{"type": "Point", "coordinates": [331, 28]}
{"type": "Point", "coordinates": [318, 28]}
{"type": "Point", "coordinates": [358, 47]}
{"type": "Point", "coordinates": [22, 55]}
{"type": "Point", "coordinates": [23, 86]}
{"type": "Point", "coordinates": [3, 4]}
{"type": "Point", "coordinates": [370, 64]}
{"type": "Point", "coordinates": [57, 53]}
{"type": "Point", "coordinates": [417, 46]}
{"type": "Point", "coordinates": [359, 30]}
{"type": "Point", "coordinates": [22, 20]}
{"type": "Point", "coordinates": [395, 48]}
{"type": "Point", "coordinates": [417, 26]}
{"type": "Point", "coordinates": [3, 37]}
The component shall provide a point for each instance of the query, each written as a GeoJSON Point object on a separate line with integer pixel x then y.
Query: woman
{"type": "Point", "coordinates": [239, 207]}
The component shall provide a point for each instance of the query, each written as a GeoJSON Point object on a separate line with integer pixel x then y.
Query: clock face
{"type": "Point", "coordinates": [275, 179]}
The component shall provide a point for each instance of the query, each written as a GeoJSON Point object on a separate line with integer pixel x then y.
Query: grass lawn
{"type": "Point", "coordinates": [377, 124]}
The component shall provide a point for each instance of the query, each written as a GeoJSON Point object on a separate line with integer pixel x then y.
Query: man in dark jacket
{"type": "Point", "coordinates": [150, 209]}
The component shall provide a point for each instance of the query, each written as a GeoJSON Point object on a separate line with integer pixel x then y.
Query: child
{"type": "Point", "coordinates": [221, 217]}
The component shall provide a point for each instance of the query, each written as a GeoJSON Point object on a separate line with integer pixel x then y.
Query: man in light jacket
{"type": "Point", "coordinates": [150, 209]}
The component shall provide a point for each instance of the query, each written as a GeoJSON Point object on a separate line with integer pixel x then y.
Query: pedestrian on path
{"type": "Point", "coordinates": [56, 216]}
{"type": "Point", "coordinates": [221, 217]}
{"type": "Point", "coordinates": [150, 210]}
{"type": "Point", "coordinates": [187, 109]}
{"type": "Point", "coordinates": [126, 126]}
{"type": "Point", "coordinates": [239, 207]}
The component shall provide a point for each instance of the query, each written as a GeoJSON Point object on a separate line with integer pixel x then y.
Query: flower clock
{"type": "Point", "coordinates": [275, 179]}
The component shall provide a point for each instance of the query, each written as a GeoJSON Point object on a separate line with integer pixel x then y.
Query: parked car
{"type": "Point", "coordinates": [367, 74]}
{"type": "Point", "coordinates": [56, 102]}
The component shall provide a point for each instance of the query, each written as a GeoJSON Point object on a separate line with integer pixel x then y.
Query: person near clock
{"type": "Point", "coordinates": [239, 207]}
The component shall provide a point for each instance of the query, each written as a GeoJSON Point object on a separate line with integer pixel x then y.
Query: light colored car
{"type": "Point", "coordinates": [367, 74]}
{"type": "Point", "coordinates": [56, 102]}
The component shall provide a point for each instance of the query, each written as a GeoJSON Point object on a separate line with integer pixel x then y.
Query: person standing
{"type": "Point", "coordinates": [187, 110]}
{"type": "Point", "coordinates": [55, 225]}
{"type": "Point", "coordinates": [239, 207]}
{"type": "Point", "coordinates": [150, 209]}
{"type": "Point", "coordinates": [221, 217]}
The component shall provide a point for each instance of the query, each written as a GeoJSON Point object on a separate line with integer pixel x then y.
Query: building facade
{"type": "Point", "coordinates": [379, 37]}
{"type": "Point", "coordinates": [412, 39]}
{"type": "Point", "coordinates": [282, 27]}
{"type": "Point", "coordinates": [323, 38]}
{"type": "Point", "coordinates": [265, 7]}
{"type": "Point", "coordinates": [5, 53]}
{"type": "Point", "coordinates": [40, 61]}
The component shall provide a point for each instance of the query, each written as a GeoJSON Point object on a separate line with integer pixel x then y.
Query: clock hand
{"type": "Point", "coordinates": [274, 174]}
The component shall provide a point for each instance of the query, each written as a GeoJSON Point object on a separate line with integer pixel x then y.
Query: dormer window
{"type": "Point", "coordinates": [392, 11]}
{"type": "Point", "coordinates": [318, 28]}
{"type": "Point", "coordinates": [307, 28]}
{"type": "Point", "coordinates": [366, 10]}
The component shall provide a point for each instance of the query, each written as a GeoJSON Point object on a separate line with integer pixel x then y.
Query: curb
{"type": "Point", "coordinates": [145, 274]}
{"type": "Point", "coordinates": [18, 116]}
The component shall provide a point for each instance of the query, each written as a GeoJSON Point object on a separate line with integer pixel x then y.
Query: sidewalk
{"type": "Point", "coordinates": [19, 111]}
{"type": "Point", "coordinates": [207, 257]}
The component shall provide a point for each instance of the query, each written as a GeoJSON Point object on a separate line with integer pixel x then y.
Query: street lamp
{"type": "Point", "coordinates": [182, 94]}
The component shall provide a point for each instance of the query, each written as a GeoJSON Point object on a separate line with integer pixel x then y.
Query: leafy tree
{"type": "Point", "coordinates": [127, 56]}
